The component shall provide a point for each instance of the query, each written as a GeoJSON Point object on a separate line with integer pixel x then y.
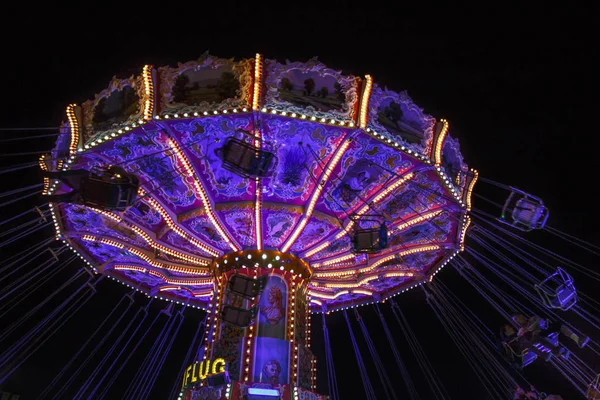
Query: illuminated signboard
{"type": "Point", "coordinates": [199, 371]}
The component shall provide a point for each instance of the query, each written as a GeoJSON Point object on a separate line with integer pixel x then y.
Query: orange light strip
{"type": "Point", "coordinates": [345, 272]}
{"type": "Point", "coordinates": [257, 81]}
{"type": "Point", "coordinates": [375, 200]}
{"type": "Point", "coordinates": [258, 214]}
{"type": "Point", "coordinates": [149, 91]}
{"type": "Point", "coordinates": [333, 261]}
{"type": "Point", "coordinates": [328, 296]}
{"type": "Point", "coordinates": [463, 233]}
{"type": "Point", "coordinates": [316, 302]}
{"type": "Point", "coordinates": [158, 264]}
{"type": "Point", "coordinates": [73, 127]}
{"type": "Point", "coordinates": [437, 155]}
{"type": "Point", "coordinates": [399, 274]}
{"type": "Point", "coordinates": [364, 106]}
{"type": "Point", "coordinates": [470, 189]}
{"type": "Point", "coordinates": [203, 195]}
{"type": "Point", "coordinates": [109, 242]}
{"type": "Point", "coordinates": [152, 243]}
{"type": "Point", "coordinates": [414, 250]}
{"type": "Point", "coordinates": [46, 180]}
{"type": "Point", "coordinates": [362, 291]}
{"type": "Point", "coordinates": [350, 285]}
{"type": "Point", "coordinates": [315, 196]}
{"type": "Point", "coordinates": [416, 220]}
{"type": "Point", "coordinates": [176, 228]}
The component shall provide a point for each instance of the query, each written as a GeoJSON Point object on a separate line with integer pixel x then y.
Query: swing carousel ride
{"type": "Point", "coordinates": [263, 193]}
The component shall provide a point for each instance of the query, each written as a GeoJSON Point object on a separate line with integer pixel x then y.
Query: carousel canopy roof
{"type": "Point", "coordinates": [348, 156]}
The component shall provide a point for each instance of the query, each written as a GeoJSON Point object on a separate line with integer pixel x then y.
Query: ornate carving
{"type": "Point", "coordinates": [381, 98]}
{"type": "Point", "coordinates": [451, 150]}
{"type": "Point", "coordinates": [89, 107]}
{"type": "Point", "coordinates": [275, 72]}
{"type": "Point", "coordinates": [242, 71]}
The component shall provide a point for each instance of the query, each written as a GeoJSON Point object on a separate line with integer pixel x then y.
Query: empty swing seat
{"type": "Point", "coordinates": [237, 316]}
{"type": "Point", "coordinates": [558, 290]}
{"type": "Point", "coordinates": [246, 286]}
{"type": "Point", "coordinates": [524, 211]}
{"type": "Point", "coordinates": [109, 189]}
{"type": "Point", "coordinates": [370, 240]}
{"type": "Point", "coordinates": [593, 390]}
{"type": "Point", "coordinates": [244, 159]}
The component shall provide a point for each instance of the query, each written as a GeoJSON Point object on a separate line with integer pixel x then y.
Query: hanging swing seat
{"type": "Point", "coordinates": [516, 354]}
{"type": "Point", "coordinates": [246, 286]}
{"type": "Point", "coordinates": [371, 240]}
{"type": "Point", "coordinates": [593, 390]}
{"type": "Point", "coordinates": [524, 211]}
{"type": "Point", "coordinates": [244, 159]}
{"type": "Point", "coordinates": [558, 290]}
{"type": "Point", "coordinates": [110, 188]}
{"type": "Point", "coordinates": [238, 316]}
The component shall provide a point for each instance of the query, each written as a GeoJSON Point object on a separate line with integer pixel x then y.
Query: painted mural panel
{"type": "Point", "coordinates": [432, 231]}
{"type": "Point", "coordinates": [240, 220]}
{"type": "Point", "coordinates": [120, 103]}
{"type": "Point", "coordinates": [396, 114]}
{"type": "Point", "coordinates": [300, 325]}
{"type": "Point", "coordinates": [271, 360]}
{"type": "Point", "coordinates": [229, 347]}
{"type": "Point", "coordinates": [310, 88]}
{"type": "Point", "coordinates": [147, 154]}
{"type": "Point", "coordinates": [413, 198]}
{"type": "Point", "coordinates": [145, 216]}
{"type": "Point", "coordinates": [365, 168]}
{"type": "Point", "coordinates": [452, 161]}
{"type": "Point", "coordinates": [278, 222]}
{"type": "Point", "coordinates": [273, 309]}
{"type": "Point", "coordinates": [336, 247]}
{"type": "Point", "coordinates": [305, 357]}
{"type": "Point", "coordinates": [200, 225]}
{"type": "Point", "coordinates": [210, 83]}
{"type": "Point", "coordinates": [318, 228]}
{"type": "Point", "coordinates": [202, 140]}
{"type": "Point", "coordinates": [303, 151]}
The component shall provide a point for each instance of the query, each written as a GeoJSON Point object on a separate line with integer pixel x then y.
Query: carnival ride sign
{"type": "Point", "coordinates": [199, 371]}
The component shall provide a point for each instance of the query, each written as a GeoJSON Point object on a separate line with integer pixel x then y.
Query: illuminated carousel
{"type": "Point", "coordinates": [261, 192]}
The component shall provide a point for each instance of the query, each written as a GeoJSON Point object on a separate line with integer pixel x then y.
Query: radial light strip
{"type": "Point", "coordinates": [315, 196]}
{"type": "Point", "coordinates": [365, 208]}
{"type": "Point", "coordinates": [45, 179]}
{"type": "Point", "coordinates": [73, 127]}
{"type": "Point", "coordinates": [463, 232]}
{"type": "Point", "coordinates": [375, 200]}
{"type": "Point", "coordinates": [257, 81]}
{"type": "Point", "coordinates": [166, 279]}
{"type": "Point", "coordinates": [439, 142]}
{"type": "Point", "coordinates": [258, 214]}
{"type": "Point", "coordinates": [145, 257]}
{"type": "Point", "coordinates": [414, 250]}
{"type": "Point", "coordinates": [152, 243]}
{"type": "Point", "coordinates": [345, 272]}
{"type": "Point", "coordinates": [258, 144]}
{"type": "Point", "coordinates": [470, 188]}
{"type": "Point", "coordinates": [203, 195]}
{"type": "Point", "coordinates": [148, 91]}
{"type": "Point", "coordinates": [328, 296]}
{"type": "Point", "coordinates": [364, 102]}
{"type": "Point", "coordinates": [176, 228]}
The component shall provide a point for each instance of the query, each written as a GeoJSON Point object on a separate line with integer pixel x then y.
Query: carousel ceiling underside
{"type": "Point", "coordinates": [191, 209]}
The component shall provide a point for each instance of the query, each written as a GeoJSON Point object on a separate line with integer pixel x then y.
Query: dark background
{"type": "Point", "coordinates": [518, 85]}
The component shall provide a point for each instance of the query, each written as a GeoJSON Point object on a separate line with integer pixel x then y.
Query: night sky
{"type": "Point", "coordinates": [518, 86]}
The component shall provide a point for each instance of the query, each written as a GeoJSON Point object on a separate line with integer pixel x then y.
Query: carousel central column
{"type": "Point", "coordinates": [262, 335]}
